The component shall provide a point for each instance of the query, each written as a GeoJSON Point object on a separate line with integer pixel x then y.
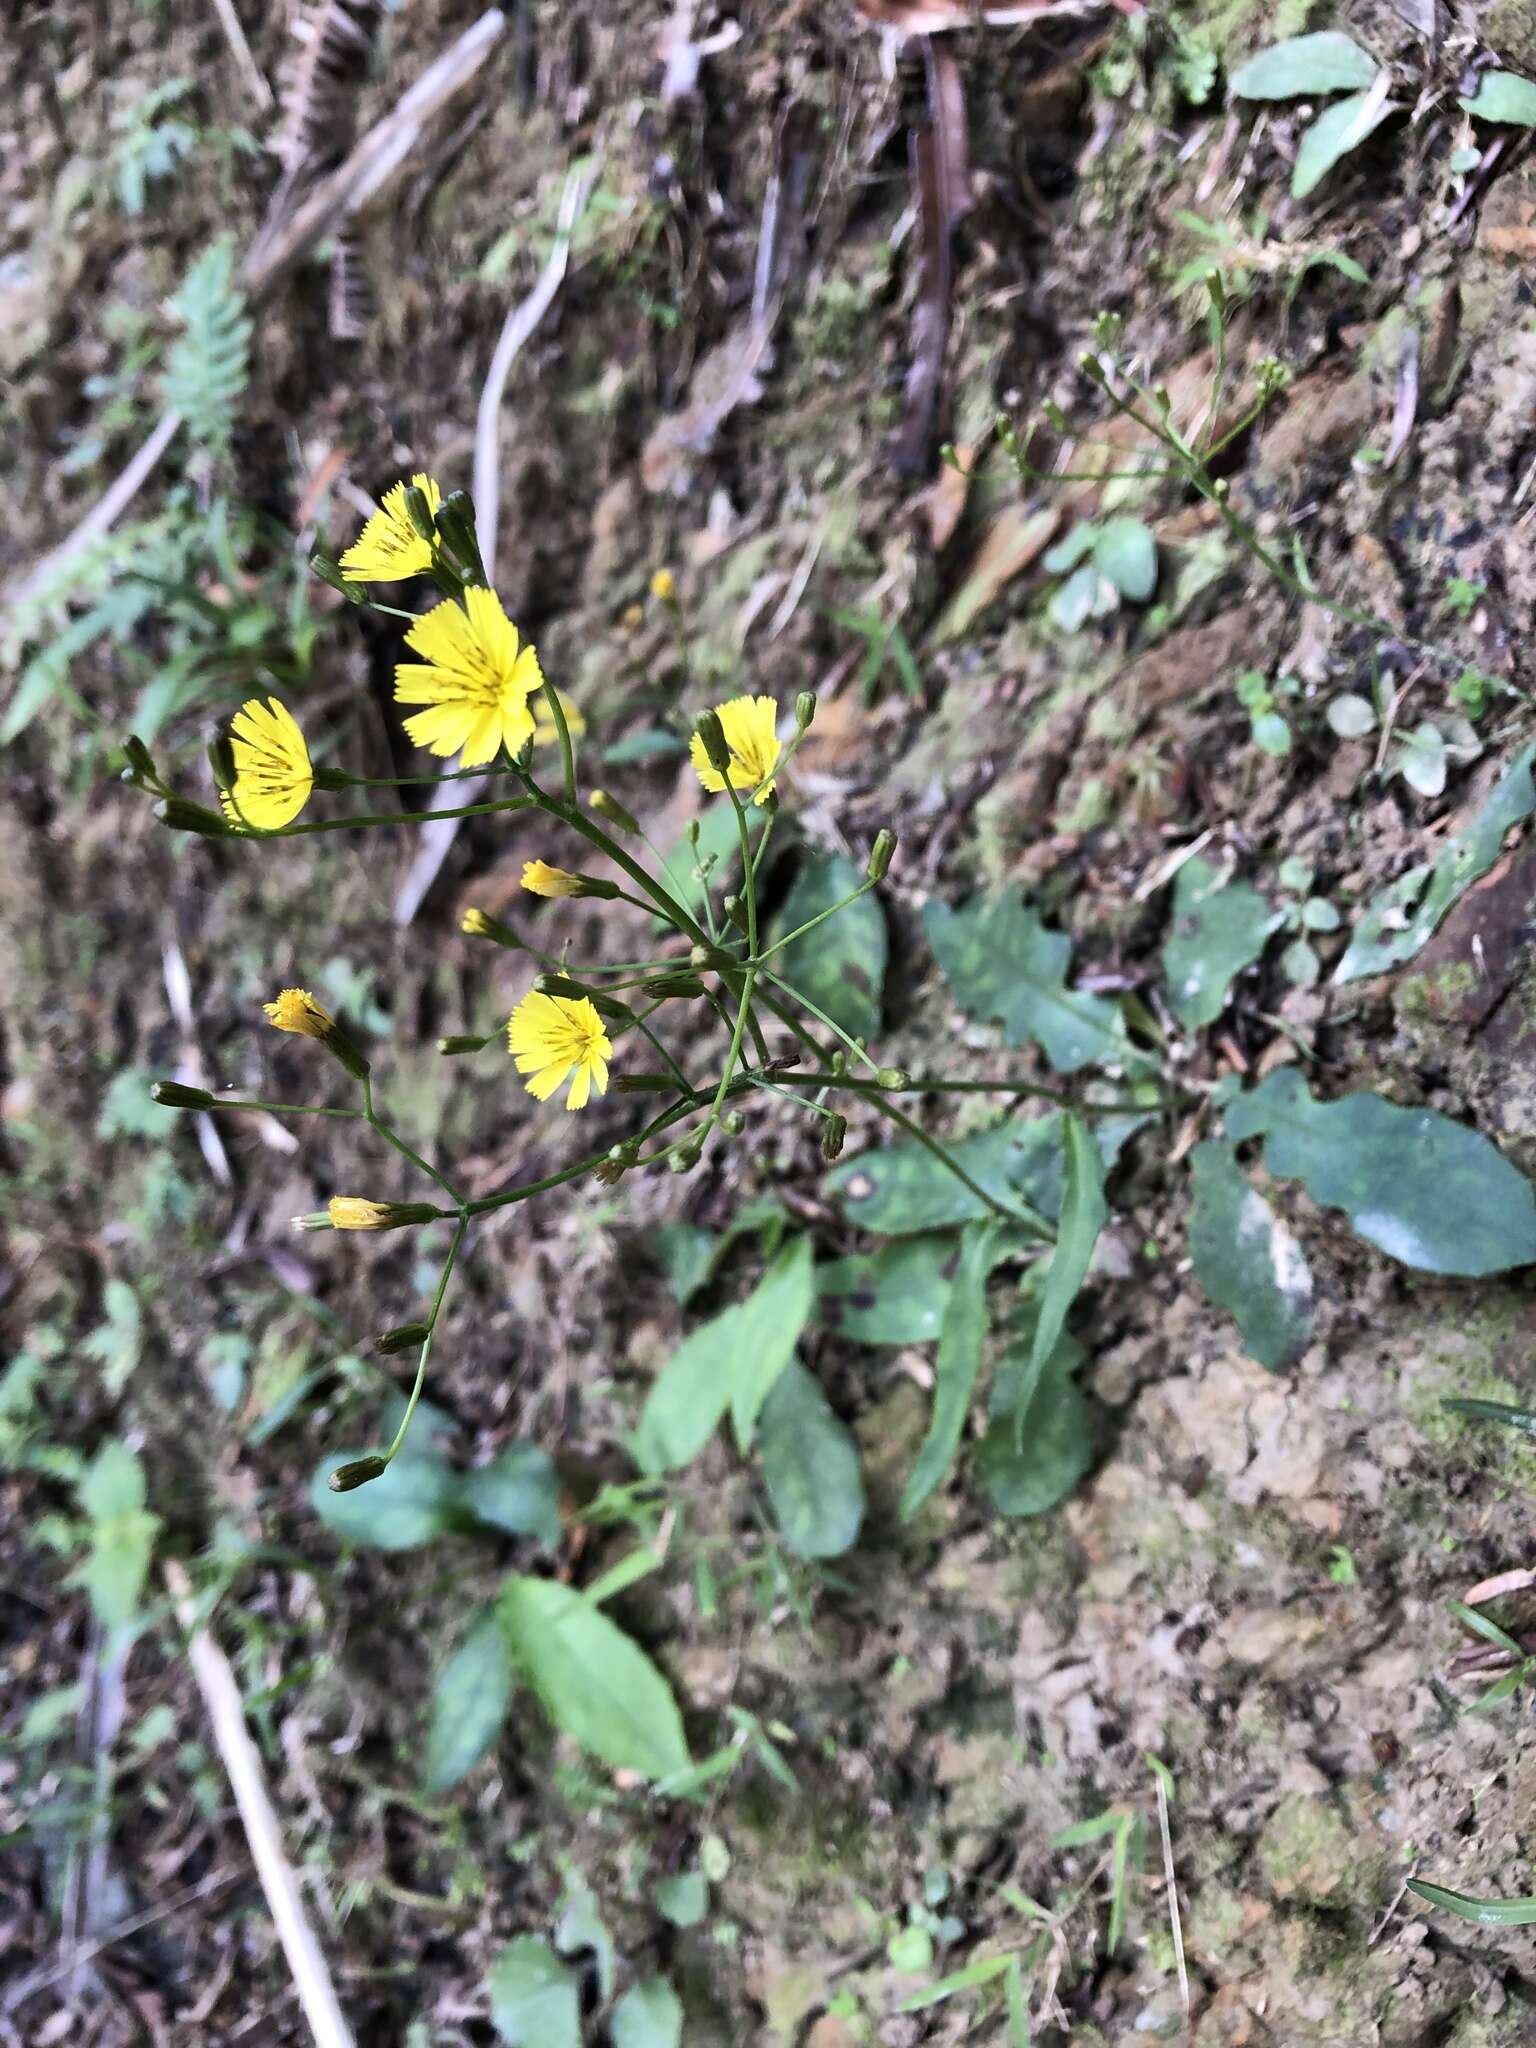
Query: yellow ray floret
{"type": "Point", "coordinates": [540, 879]}
{"type": "Point", "coordinates": [749, 727]}
{"type": "Point", "coordinates": [550, 1037]}
{"type": "Point", "coordinates": [355, 1212]}
{"type": "Point", "coordinates": [273, 776]}
{"type": "Point", "coordinates": [476, 678]}
{"type": "Point", "coordinates": [389, 548]}
{"type": "Point", "coordinates": [297, 1010]}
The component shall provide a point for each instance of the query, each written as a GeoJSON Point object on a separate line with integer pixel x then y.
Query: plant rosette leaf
{"type": "Point", "coordinates": [535, 1998]}
{"type": "Point", "coordinates": [1503, 96]}
{"type": "Point", "coordinates": [413, 1501]}
{"type": "Point", "coordinates": [1336, 131]}
{"type": "Point", "coordinates": [1303, 65]}
{"type": "Point", "coordinates": [1006, 967]}
{"type": "Point", "coordinates": [469, 1703]}
{"type": "Point", "coordinates": [957, 1365]}
{"type": "Point", "coordinates": [1083, 1215]}
{"type": "Point", "coordinates": [840, 966]}
{"type": "Point", "coordinates": [1038, 1445]}
{"type": "Point", "coordinates": [1247, 1260]}
{"type": "Point", "coordinates": [1125, 551]}
{"type": "Point", "coordinates": [895, 1295]}
{"type": "Point", "coordinates": [648, 2016]}
{"type": "Point", "coordinates": [595, 1684]}
{"type": "Point", "coordinates": [1427, 1191]}
{"type": "Point", "coordinates": [1219, 928]}
{"type": "Point", "coordinates": [810, 1467]}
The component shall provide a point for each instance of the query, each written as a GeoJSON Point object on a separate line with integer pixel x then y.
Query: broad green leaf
{"type": "Point", "coordinates": [686, 1253]}
{"type": "Point", "coordinates": [840, 966]}
{"type": "Point", "coordinates": [1083, 1211]}
{"type": "Point", "coordinates": [1482, 1912]}
{"type": "Point", "coordinates": [595, 1684]}
{"type": "Point", "coordinates": [648, 2016]}
{"type": "Point", "coordinates": [1219, 928]}
{"type": "Point", "coordinates": [893, 1296]}
{"type": "Point", "coordinates": [535, 1998]}
{"type": "Point", "coordinates": [122, 1531]}
{"type": "Point", "coordinates": [683, 1899]}
{"type": "Point", "coordinates": [1402, 919]}
{"type": "Point", "coordinates": [690, 1394]}
{"type": "Point", "coordinates": [1429, 1192]}
{"type": "Point", "coordinates": [1029, 1462]}
{"type": "Point", "coordinates": [1247, 1261]}
{"type": "Point", "coordinates": [772, 1318]}
{"type": "Point", "coordinates": [1336, 131]}
{"type": "Point", "coordinates": [1125, 551]}
{"type": "Point", "coordinates": [517, 1493]}
{"type": "Point", "coordinates": [1003, 964]}
{"type": "Point", "coordinates": [957, 1365]}
{"type": "Point", "coordinates": [469, 1703]}
{"type": "Point", "coordinates": [810, 1467]}
{"type": "Point", "coordinates": [412, 1501]}
{"type": "Point", "coordinates": [1086, 594]}
{"type": "Point", "coordinates": [1503, 96]}
{"type": "Point", "coordinates": [580, 1927]}
{"type": "Point", "coordinates": [1303, 65]}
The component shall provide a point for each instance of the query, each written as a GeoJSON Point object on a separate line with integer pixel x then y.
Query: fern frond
{"type": "Point", "coordinates": [209, 365]}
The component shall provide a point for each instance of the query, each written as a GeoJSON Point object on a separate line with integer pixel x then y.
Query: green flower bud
{"type": "Point", "coordinates": [710, 956]}
{"type": "Point", "coordinates": [833, 1131]}
{"type": "Point", "coordinates": [733, 1123]}
{"type": "Point", "coordinates": [456, 529]}
{"type": "Point", "coordinates": [140, 760]}
{"type": "Point", "coordinates": [464, 1041]}
{"type": "Point", "coordinates": [674, 985]}
{"type": "Point", "coordinates": [221, 759]}
{"type": "Point", "coordinates": [609, 807]}
{"type": "Point", "coordinates": [328, 572]}
{"type": "Point", "coordinates": [879, 865]}
{"type": "Point", "coordinates": [419, 512]}
{"type": "Point", "coordinates": [895, 1078]}
{"type": "Point", "coordinates": [736, 911]}
{"type": "Point", "coordinates": [712, 737]}
{"type": "Point", "coordinates": [182, 816]}
{"type": "Point", "coordinates": [346, 1054]}
{"type": "Point", "coordinates": [562, 985]}
{"type": "Point", "coordinates": [408, 1337]}
{"type": "Point", "coordinates": [347, 1478]}
{"type": "Point", "coordinates": [173, 1095]}
{"type": "Point", "coordinates": [805, 709]}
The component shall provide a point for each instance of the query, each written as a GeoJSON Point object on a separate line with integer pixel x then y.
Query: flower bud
{"type": "Point", "coordinates": [221, 759]}
{"type": "Point", "coordinates": [879, 865]}
{"type": "Point", "coordinates": [609, 807]}
{"type": "Point", "coordinates": [419, 512]}
{"type": "Point", "coordinates": [479, 924]}
{"type": "Point", "coordinates": [712, 738]}
{"type": "Point", "coordinates": [735, 910]}
{"type": "Point", "coordinates": [674, 985]}
{"type": "Point", "coordinates": [347, 1478]}
{"type": "Point", "coordinates": [895, 1078]}
{"type": "Point", "coordinates": [833, 1131]}
{"type": "Point", "coordinates": [408, 1337]}
{"type": "Point", "coordinates": [181, 816]}
{"type": "Point", "coordinates": [710, 956]}
{"type": "Point", "coordinates": [464, 1041]}
{"type": "Point", "coordinates": [456, 529]}
{"type": "Point", "coordinates": [140, 761]}
{"type": "Point", "coordinates": [733, 1123]}
{"type": "Point", "coordinates": [609, 1172]}
{"type": "Point", "coordinates": [328, 572]}
{"type": "Point", "coordinates": [356, 1212]}
{"type": "Point", "coordinates": [173, 1095]}
{"type": "Point", "coordinates": [805, 709]}
{"type": "Point", "coordinates": [540, 879]}
{"type": "Point", "coordinates": [643, 1084]}
{"type": "Point", "coordinates": [664, 586]}
{"type": "Point", "coordinates": [561, 985]}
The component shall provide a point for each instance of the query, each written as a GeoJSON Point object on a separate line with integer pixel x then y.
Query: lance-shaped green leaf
{"type": "Point", "coordinates": [594, 1682]}
{"type": "Point", "coordinates": [1005, 966]}
{"type": "Point", "coordinates": [810, 1467]}
{"type": "Point", "coordinates": [1401, 920]}
{"type": "Point", "coordinates": [1219, 928]}
{"type": "Point", "coordinates": [1038, 1444]}
{"type": "Point", "coordinates": [1247, 1261]}
{"type": "Point", "coordinates": [1083, 1211]}
{"type": "Point", "coordinates": [469, 1703]}
{"type": "Point", "coordinates": [1336, 131]}
{"type": "Point", "coordinates": [1329, 61]}
{"type": "Point", "coordinates": [893, 1296]}
{"type": "Point", "coordinates": [1481, 1912]}
{"type": "Point", "coordinates": [957, 1365]}
{"type": "Point", "coordinates": [772, 1318]}
{"type": "Point", "coordinates": [1503, 96]}
{"type": "Point", "coordinates": [1429, 1192]}
{"type": "Point", "coordinates": [840, 966]}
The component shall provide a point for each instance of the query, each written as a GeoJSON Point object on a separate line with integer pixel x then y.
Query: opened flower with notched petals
{"type": "Point", "coordinates": [273, 775]}
{"type": "Point", "coordinates": [475, 679]}
{"type": "Point", "coordinates": [389, 548]}
{"type": "Point", "coordinates": [750, 727]}
{"type": "Point", "coordinates": [550, 1037]}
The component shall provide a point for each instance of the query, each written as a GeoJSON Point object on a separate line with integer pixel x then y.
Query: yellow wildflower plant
{"type": "Point", "coordinates": [389, 548]}
{"type": "Point", "coordinates": [545, 731]}
{"type": "Point", "coordinates": [550, 1037]}
{"type": "Point", "coordinates": [296, 1010]}
{"type": "Point", "coordinates": [476, 678]}
{"type": "Point", "coordinates": [664, 586]}
{"type": "Point", "coordinates": [355, 1212]}
{"type": "Point", "coordinates": [273, 774]}
{"type": "Point", "coordinates": [750, 727]}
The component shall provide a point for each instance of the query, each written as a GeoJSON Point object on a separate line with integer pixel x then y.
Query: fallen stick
{"type": "Point", "coordinates": [242, 1762]}
{"type": "Point", "coordinates": [359, 178]}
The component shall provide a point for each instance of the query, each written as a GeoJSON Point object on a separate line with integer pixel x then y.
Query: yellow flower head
{"type": "Point", "coordinates": [544, 728]}
{"type": "Point", "coordinates": [552, 1036]}
{"type": "Point", "coordinates": [475, 924]}
{"type": "Point", "coordinates": [540, 879]}
{"type": "Point", "coordinates": [749, 726]}
{"type": "Point", "coordinates": [353, 1212]}
{"type": "Point", "coordinates": [664, 586]}
{"type": "Point", "coordinates": [389, 548]}
{"type": "Point", "coordinates": [477, 678]}
{"type": "Point", "coordinates": [273, 776]}
{"type": "Point", "coordinates": [297, 1010]}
